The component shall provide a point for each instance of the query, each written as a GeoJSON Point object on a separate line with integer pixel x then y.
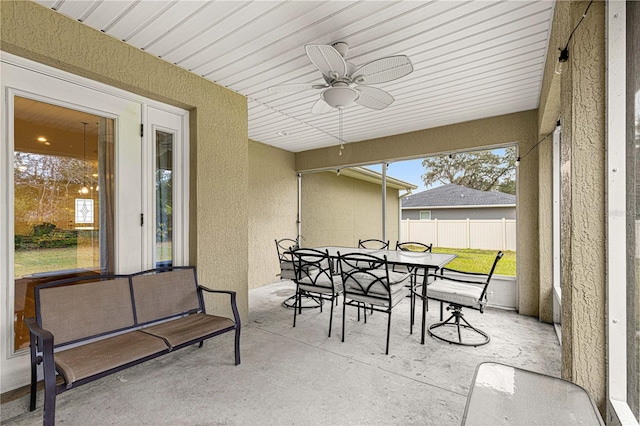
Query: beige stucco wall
{"type": "Point", "coordinates": [273, 208]}
{"type": "Point", "coordinates": [519, 128]}
{"type": "Point", "coordinates": [339, 210]}
{"type": "Point", "coordinates": [578, 95]}
{"type": "Point", "coordinates": [584, 183]}
{"type": "Point", "coordinates": [218, 128]}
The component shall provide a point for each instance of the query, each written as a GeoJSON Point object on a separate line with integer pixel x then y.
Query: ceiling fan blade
{"type": "Point", "coordinates": [374, 98]}
{"type": "Point", "coordinates": [383, 70]}
{"type": "Point", "coordinates": [295, 87]}
{"type": "Point", "coordinates": [327, 60]}
{"type": "Point", "coordinates": [320, 107]}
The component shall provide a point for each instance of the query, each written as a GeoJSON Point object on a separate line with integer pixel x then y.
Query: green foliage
{"type": "Point", "coordinates": [482, 170]}
{"type": "Point", "coordinates": [474, 260]}
{"type": "Point", "coordinates": [46, 235]}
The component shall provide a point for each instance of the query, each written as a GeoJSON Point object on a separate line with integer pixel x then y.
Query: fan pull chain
{"type": "Point", "coordinates": [340, 130]}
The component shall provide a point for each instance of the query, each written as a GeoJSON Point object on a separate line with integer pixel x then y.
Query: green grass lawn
{"type": "Point", "coordinates": [473, 260]}
{"type": "Point", "coordinates": [84, 255]}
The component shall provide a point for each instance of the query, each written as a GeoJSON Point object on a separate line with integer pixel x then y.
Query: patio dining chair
{"type": "Point", "coordinates": [367, 280]}
{"type": "Point", "coordinates": [284, 247]}
{"type": "Point", "coordinates": [415, 272]}
{"type": "Point", "coordinates": [314, 278]}
{"type": "Point", "coordinates": [464, 290]}
{"type": "Point", "coordinates": [373, 244]}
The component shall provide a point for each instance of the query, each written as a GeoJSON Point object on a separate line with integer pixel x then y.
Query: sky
{"type": "Point", "coordinates": [412, 170]}
{"type": "Point", "coordinates": [408, 171]}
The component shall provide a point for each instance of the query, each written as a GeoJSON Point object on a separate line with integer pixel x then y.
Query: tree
{"type": "Point", "coordinates": [483, 170]}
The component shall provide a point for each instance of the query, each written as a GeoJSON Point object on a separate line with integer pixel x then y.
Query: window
{"type": "Point", "coordinates": [425, 214]}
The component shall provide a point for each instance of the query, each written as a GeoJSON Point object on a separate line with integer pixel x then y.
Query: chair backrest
{"type": "Point", "coordinates": [495, 263]}
{"type": "Point", "coordinates": [313, 267]}
{"type": "Point", "coordinates": [413, 246]}
{"type": "Point", "coordinates": [373, 243]}
{"type": "Point", "coordinates": [478, 278]}
{"type": "Point", "coordinates": [364, 274]}
{"type": "Point", "coordinates": [284, 248]}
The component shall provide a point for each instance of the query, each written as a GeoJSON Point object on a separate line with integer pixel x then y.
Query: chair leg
{"type": "Point", "coordinates": [344, 309]}
{"type": "Point", "coordinates": [331, 317]}
{"type": "Point", "coordinates": [458, 322]}
{"type": "Point", "coordinates": [388, 332]}
{"type": "Point", "coordinates": [297, 303]}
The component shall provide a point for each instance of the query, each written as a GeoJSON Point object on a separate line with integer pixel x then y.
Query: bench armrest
{"type": "Point", "coordinates": [232, 294]}
{"type": "Point", "coordinates": [39, 332]}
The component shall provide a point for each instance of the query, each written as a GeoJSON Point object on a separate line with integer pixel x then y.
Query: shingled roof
{"type": "Point", "coordinates": [456, 195]}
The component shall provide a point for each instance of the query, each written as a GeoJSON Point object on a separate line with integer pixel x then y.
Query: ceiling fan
{"type": "Point", "coordinates": [346, 83]}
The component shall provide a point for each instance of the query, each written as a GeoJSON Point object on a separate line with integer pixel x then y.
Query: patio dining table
{"type": "Point", "coordinates": [410, 259]}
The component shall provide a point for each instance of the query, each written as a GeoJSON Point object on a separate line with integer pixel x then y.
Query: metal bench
{"type": "Point", "coordinates": [89, 327]}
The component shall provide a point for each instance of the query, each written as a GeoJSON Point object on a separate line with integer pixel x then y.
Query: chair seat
{"type": "Point", "coordinates": [377, 288]}
{"type": "Point", "coordinates": [397, 296]}
{"type": "Point", "coordinates": [456, 292]}
{"type": "Point", "coordinates": [322, 285]}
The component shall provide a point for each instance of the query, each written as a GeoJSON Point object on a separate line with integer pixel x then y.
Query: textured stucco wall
{"type": "Point", "coordinates": [218, 128]}
{"type": "Point", "coordinates": [583, 226]}
{"type": "Point", "coordinates": [273, 208]}
{"type": "Point", "coordinates": [338, 210]}
{"type": "Point", "coordinates": [519, 128]}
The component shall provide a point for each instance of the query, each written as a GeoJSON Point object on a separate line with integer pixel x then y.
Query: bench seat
{"type": "Point", "coordinates": [187, 329]}
{"type": "Point", "coordinates": [85, 361]}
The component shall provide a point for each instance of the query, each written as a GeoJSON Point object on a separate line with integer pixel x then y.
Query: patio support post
{"type": "Point", "coordinates": [384, 201]}
{"type": "Point", "coordinates": [299, 219]}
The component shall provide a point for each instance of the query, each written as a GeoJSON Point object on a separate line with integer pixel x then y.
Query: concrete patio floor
{"type": "Point", "coordinates": [299, 376]}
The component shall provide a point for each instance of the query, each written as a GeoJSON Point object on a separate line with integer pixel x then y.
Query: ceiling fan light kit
{"type": "Point", "coordinates": [340, 96]}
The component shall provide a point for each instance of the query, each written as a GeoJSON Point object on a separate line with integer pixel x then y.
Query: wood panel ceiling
{"type": "Point", "coordinates": [471, 59]}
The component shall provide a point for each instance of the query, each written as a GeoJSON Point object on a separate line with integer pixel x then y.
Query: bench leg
{"type": "Point", "coordinates": [34, 373]}
{"type": "Point", "coordinates": [49, 393]}
{"type": "Point", "coordinates": [237, 344]}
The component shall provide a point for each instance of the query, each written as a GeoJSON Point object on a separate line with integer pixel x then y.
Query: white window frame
{"type": "Point", "coordinates": [424, 211]}
{"type": "Point", "coordinates": [618, 410]}
{"type": "Point", "coordinates": [557, 260]}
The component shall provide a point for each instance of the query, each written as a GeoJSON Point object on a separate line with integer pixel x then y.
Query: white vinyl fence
{"type": "Point", "coordinates": [489, 234]}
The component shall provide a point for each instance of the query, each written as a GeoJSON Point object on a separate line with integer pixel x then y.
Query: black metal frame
{"type": "Point", "coordinates": [42, 341]}
{"type": "Point", "coordinates": [312, 267]}
{"type": "Point", "coordinates": [284, 248]}
{"type": "Point", "coordinates": [381, 245]}
{"type": "Point", "coordinates": [456, 319]}
{"type": "Point", "coordinates": [351, 264]}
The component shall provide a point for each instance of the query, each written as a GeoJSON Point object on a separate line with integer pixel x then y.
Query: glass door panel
{"type": "Point", "coordinates": [63, 166]}
{"type": "Point", "coordinates": [164, 198]}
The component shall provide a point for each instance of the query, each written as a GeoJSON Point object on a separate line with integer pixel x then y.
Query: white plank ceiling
{"type": "Point", "coordinates": [471, 59]}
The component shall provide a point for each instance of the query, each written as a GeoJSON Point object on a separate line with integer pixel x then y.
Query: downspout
{"type": "Point", "coordinates": [299, 220]}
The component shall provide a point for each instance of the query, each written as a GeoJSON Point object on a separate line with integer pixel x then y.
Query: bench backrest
{"type": "Point", "coordinates": [162, 294]}
{"type": "Point", "coordinates": [82, 310]}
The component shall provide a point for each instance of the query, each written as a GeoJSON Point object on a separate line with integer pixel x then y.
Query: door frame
{"type": "Point", "coordinates": [15, 364]}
